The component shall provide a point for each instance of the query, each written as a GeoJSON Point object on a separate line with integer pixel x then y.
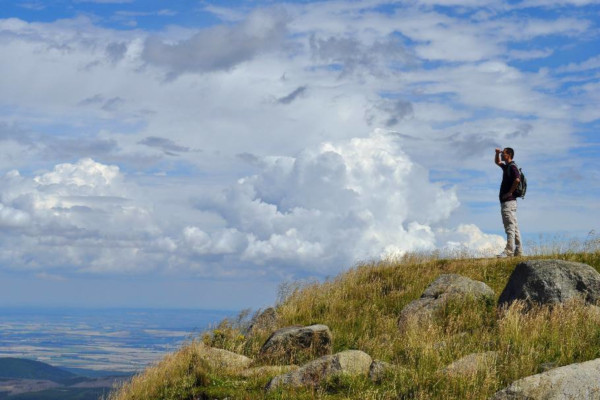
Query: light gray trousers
{"type": "Point", "coordinates": [511, 227]}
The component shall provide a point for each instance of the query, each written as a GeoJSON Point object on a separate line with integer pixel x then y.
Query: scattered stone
{"type": "Point", "coordinates": [379, 370]}
{"type": "Point", "coordinates": [219, 359]}
{"type": "Point", "coordinates": [471, 364]}
{"type": "Point", "coordinates": [292, 344]}
{"type": "Point", "coordinates": [264, 321]}
{"type": "Point", "coordinates": [551, 282]}
{"type": "Point", "coordinates": [445, 288]}
{"type": "Point", "coordinates": [575, 381]}
{"type": "Point", "coordinates": [267, 370]}
{"type": "Point", "coordinates": [351, 362]}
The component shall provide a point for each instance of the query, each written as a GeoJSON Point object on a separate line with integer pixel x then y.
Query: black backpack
{"type": "Point", "coordinates": [522, 188]}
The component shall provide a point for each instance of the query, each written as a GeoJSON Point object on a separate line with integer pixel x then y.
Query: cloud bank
{"type": "Point", "coordinates": [255, 140]}
{"type": "Point", "coordinates": [326, 208]}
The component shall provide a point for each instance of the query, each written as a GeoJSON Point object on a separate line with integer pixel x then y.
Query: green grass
{"type": "Point", "coordinates": [361, 307]}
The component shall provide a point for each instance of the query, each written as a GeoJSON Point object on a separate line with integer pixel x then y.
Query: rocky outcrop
{"type": "Point", "coordinates": [551, 282]}
{"type": "Point", "coordinates": [223, 360]}
{"type": "Point", "coordinates": [575, 381]}
{"type": "Point", "coordinates": [292, 344]}
{"type": "Point", "coordinates": [445, 288]}
{"type": "Point", "coordinates": [350, 362]}
{"type": "Point", "coordinates": [471, 364]}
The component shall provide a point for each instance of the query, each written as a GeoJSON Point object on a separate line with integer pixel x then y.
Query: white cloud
{"type": "Point", "coordinates": [10, 217]}
{"type": "Point", "coordinates": [86, 177]}
{"type": "Point", "coordinates": [294, 88]}
{"type": "Point", "coordinates": [338, 203]}
{"type": "Point", "coordinates": [469, 238]}
{"type": "Point", "coordinates": [589, 64]}
{"type": "Point", "coordinates": [76, 216]}
{"type": "Point", "coordinates": [312, 214]}
{"type": "Point", "coordinates": [555, 3]}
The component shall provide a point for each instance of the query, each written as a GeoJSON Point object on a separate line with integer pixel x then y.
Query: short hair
{"type": "Point", "coordinates": [510, 151]}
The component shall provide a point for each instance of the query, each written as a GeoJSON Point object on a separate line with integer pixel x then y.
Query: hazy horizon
{"type": "Point", "coordinates": [124, 340]}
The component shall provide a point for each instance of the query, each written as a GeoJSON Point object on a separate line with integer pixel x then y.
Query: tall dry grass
{"type": "Point", "coordinates": [177, 376]}
{"type": "Point", "coordinates": [361, 307]}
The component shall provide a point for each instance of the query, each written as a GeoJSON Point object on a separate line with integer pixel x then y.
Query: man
{"type": "Point", "coordinates": [508, 201]}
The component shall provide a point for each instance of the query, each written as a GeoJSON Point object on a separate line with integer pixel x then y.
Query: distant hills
{"type": "Point", "coordinates": [23, 379]}
{"type": "Point", "coordinates": [20, 368]}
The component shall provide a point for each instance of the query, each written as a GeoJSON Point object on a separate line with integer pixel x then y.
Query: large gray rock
{"type": "Point", "coordinates": [575, 381]}
{"type": "Point", "coordinates": [350, 362]}
{"type": "Point", "coordinates": [223, 360]}
{"type": "Point", "coordinates": [445, 288]}
{"type": "Point", "coordinates": [297, 343]}
{"type": "Point", "coordinates": [551, 282]}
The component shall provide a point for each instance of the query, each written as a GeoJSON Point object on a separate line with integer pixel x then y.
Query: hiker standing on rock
{"type": "Point", "coordinates": [508, 201]}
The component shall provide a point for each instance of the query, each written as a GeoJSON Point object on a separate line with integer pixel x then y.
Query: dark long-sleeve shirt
{"type": "Point", "coordinates": [510, 172]}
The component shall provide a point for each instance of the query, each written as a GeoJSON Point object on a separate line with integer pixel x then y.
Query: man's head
{"type": "Point", "coordinates": [508, 153]}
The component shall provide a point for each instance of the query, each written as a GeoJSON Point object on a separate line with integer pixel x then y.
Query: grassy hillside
{"type": "Point", "coordinates": [19, 368]}
{"type": "Point", "coordinates": [361, 307]}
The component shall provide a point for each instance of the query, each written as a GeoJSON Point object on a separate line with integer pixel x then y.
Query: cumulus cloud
{"type": "Point", "coordinates": [331, 206]}
{"type": "Point", "coordinates": [315, 213]}
{"type": "Point", "coordinates": [469, 238]}
{"type": "Point", "coordinates": [78, 215]}
{"type": "Point", "coordinates": [221, 47]}
{"type": "Point", "coordinates": [86, 177]}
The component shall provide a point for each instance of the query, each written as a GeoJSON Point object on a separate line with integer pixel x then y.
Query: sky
{"type": "Point", "coordinates": [198, 154]}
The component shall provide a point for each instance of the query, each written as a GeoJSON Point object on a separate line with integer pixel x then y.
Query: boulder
{"type": "Point", "coordinates": [575, 381]}
{"type": "Point", "coordinates": [471, 364]}
{"type": "Point", "coordinates": [446, 287]}
{"type": "Point", "coordinates": [296, 343]}
{"type": "Point", "coordinates": [551, 282]}
{"type": "Point", "coordinates": [350, 362]}
{"type": "Point", "coordinates": [219, 359]}
{"type": "Point", "coordinates": [263, 321]}
{"type": "Point", "coordinates": [379, 370]}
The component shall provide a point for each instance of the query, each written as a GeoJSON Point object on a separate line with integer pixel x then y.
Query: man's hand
{"type": "Point", "coordinates": [497, 157]}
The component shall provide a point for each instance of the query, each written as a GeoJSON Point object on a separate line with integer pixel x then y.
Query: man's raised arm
{"type": "Point", "coordinates": [497, 157]}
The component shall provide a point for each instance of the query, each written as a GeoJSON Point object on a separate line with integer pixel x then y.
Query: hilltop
{"type": "Point", "coordinates": [362, 306]}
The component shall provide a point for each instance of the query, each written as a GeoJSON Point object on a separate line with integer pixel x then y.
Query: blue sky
{"type": "Point", "coordinates": [198, 153]}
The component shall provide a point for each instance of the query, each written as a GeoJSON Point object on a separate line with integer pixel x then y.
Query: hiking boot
{"type": "Point", "coordinates": [518, 252]}
{"type": "Point", "coordinates": [503, 255]}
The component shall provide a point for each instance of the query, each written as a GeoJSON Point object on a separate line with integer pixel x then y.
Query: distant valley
{"type": "Point", "coordinates": [22, 379]}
